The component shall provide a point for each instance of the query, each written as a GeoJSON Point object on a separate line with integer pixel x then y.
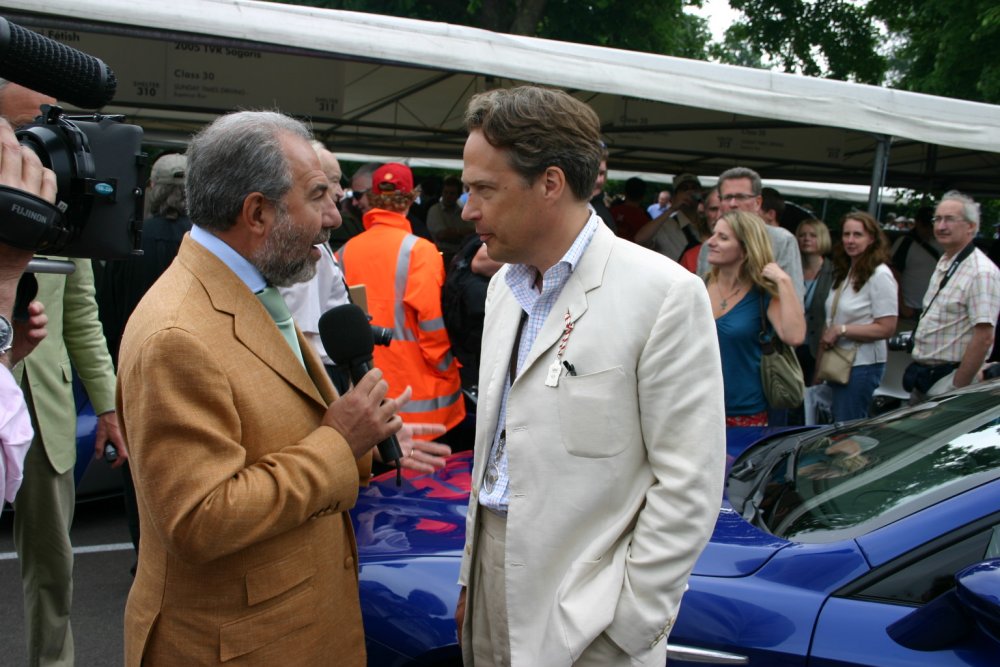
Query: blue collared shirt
{"type": "Point", "coordinates": [239, 264]}
{"type": "Point", "coordinates": [537, 305]}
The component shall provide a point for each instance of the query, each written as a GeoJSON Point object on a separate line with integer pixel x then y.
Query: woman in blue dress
{"type": "Point", "coordinates": [745, 281]}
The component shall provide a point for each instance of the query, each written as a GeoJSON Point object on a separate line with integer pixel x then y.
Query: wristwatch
{"type": "Point", "coordinates": [6, 335]}
{"type": "Point", "coordinates": [843, 330]}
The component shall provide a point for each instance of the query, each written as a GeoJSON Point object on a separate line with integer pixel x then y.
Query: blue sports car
{"type": "Point", "coordinates": [875, 542]}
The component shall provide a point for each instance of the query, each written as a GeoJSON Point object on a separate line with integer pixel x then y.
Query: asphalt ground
{"type": "Point", "coordinates": [103, 557]}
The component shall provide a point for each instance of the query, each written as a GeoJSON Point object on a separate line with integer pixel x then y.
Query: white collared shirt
{"type": "Point", "coordinates": [239, 264]}
{"type": "Point", "coordinates": [520, 279]}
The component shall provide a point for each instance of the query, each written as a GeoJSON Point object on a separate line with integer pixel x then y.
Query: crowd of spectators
{"type": "Point", "coordinates": [426, 272]}
{"type": "Point", "coordinates": [678, 222]}
{"type": "Point", "coordinates": [856, 286]}
{"type": "Point", "coordinates": [878, 281]}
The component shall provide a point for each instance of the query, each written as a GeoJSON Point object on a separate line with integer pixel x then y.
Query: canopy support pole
{"type": "Point", "coordinates": [879, 169]}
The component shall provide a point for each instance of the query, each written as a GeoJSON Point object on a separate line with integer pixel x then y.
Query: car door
{"type": "Point", "coordinates": [851, 629]}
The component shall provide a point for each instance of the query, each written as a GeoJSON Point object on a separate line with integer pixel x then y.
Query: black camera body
{"type": "Point", "coordinates": [901, 342]}
{"type": "Point", "coordinates": [99, 167]}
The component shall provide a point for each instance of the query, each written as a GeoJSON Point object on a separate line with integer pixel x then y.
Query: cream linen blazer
{"type": "Point", "coordinates": [617, 472]}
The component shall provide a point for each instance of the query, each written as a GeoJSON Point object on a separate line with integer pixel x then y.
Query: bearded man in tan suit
{"type": "Point", "coordinates": [245, 461]}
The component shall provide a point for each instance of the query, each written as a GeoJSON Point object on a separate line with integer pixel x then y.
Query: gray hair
{"type": "Point", "coordinates": [236, 155]}
{"type": "Point", "coordinates": [970, 209]}
{"type": "Point", "coordinates": [742, 172]}
{"type": "Point", "coordinates": [166, 200]}
{"type": "Point", "coordinates": [364, 175]}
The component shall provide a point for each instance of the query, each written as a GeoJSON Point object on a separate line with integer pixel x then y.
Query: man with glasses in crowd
{"type": "Point", "coordinates": [354, 207]}
{"type": "Point", "coordinates": [740, 190]}
{"type": "Point", "coordinates": [954, 335]}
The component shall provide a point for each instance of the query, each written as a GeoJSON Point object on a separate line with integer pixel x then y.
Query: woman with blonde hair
{"type": "Point", "coordinates": [861, 312]}
{"type": "Point", "coordinates": [815, 244]}
{"type": "Point", "coordinates": [743, 283]}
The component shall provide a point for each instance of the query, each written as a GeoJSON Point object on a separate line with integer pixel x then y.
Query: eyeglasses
{"type": "Point", "coordinates": [947, 219]}
{"type": "Point", "coordinates": [739, 196]}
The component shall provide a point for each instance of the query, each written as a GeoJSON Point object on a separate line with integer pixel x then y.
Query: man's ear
{"type": "Point", "coordinates": [554, 182]}
{"type": "Point", "coordinates": [257, 213]}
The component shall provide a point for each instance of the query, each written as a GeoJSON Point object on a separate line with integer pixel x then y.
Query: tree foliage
{"type": "Point", "coordinates": [932, 46]}
{"type": "Point", "coordinates": [945, 48]}
{"type": "Point", "coordinates": [654, 26]}
{"type": "Point", "coordinates": [832, 38]}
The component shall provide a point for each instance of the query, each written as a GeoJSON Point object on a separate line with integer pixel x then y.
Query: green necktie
{"type": "Point", "coordinates": [276, 308]}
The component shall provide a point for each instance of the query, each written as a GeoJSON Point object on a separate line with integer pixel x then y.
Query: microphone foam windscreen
{"type": "Point", "coordinates": [346, 334]}
{"type": "Point", "coordinates": [46, 66]}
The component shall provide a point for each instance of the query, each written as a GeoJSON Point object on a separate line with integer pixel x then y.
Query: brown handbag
{"type": "Point", "coordinates": [835, 363]}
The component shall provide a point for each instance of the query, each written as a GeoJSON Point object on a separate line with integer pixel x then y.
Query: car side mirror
{"type": "Point", "coordinates": [950, 618]}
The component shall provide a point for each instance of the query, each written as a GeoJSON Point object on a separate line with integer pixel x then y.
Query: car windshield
{"type": "Point", "coordinates": [841, 482]}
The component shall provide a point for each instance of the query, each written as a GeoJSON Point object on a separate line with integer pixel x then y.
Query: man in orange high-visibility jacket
{"type": "Point", "coordinates": [403, 275]}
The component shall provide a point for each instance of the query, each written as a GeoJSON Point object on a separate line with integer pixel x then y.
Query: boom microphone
{"type": "Point", "coordinates": [348, 340]}
{"type": "Point", "coordinates": [48, 67]}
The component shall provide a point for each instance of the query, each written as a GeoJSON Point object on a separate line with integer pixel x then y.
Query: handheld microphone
{"type": "Point", "coordinates": [46, 66]}
{"type": "Point", "coordinates": [348, 340]}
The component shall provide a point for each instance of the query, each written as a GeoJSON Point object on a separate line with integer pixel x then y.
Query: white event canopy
{"type": "Point", "coordinates": [380, 85]}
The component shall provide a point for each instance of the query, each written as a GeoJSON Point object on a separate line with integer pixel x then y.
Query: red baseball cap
{"type": "Point", "coordinates": [392, 177]}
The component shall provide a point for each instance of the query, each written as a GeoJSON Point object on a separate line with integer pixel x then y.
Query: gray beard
{"type": "Point", "coordinates": [277, 259]}
{"type": "Point", "coordinates": [288, 274]}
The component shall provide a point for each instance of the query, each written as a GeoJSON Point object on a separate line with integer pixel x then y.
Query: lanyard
{"type": "Point", "coordinates": [552, 380]}
{"type": "Point", "coordinates": [966, 251]}
{"type": "Point", "coordinates": [555, 370]}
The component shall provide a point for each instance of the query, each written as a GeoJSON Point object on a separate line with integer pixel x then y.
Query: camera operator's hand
{"type": "Point", "coordinates": [29, 333]}
{"type": "Point", "coordinates": [20, 168]}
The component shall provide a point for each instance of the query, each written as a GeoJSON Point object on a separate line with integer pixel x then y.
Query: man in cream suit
{"type": "Point", "coordinates": [245, 461]}
{"type": "Point", "coordinates": [599, 446]}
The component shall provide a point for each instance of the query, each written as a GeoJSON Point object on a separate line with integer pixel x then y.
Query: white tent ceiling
{"type": "Point", "coordinates": [387, 86]}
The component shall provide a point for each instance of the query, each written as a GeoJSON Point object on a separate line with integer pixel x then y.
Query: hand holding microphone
{"type": "Point", "coordinates": [363, 415]}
